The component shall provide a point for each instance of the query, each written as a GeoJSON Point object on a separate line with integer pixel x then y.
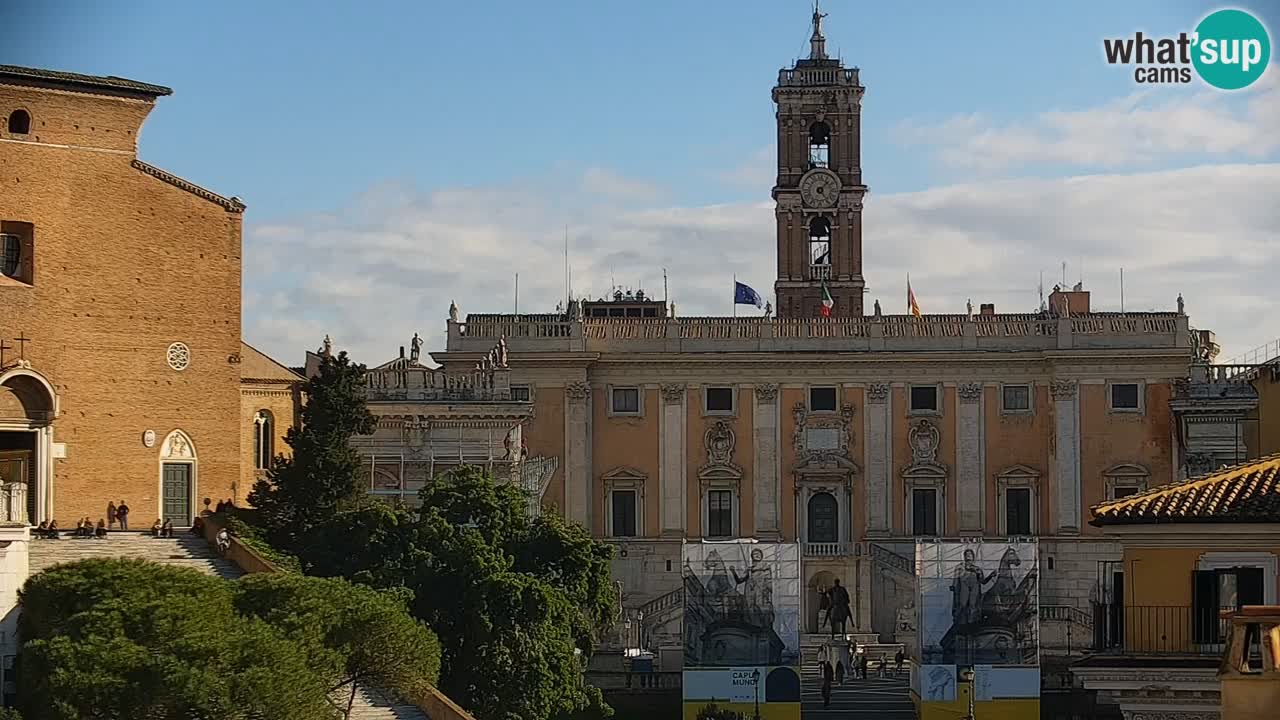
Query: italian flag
{"type": "Point", "coordinates": [827, 302]}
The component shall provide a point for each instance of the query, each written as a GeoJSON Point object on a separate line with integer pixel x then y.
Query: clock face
{"type": "Point", "coordinates": [820, 188]}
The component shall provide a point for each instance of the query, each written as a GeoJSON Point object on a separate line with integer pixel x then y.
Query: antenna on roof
{"type": "Point", "coordinates": [1040, 289]}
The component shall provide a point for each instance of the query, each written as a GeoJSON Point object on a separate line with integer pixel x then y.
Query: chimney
{"type": "Point", "coordinates": [401, 352]}
{"type": "Point", "coordinates": [987, 309]}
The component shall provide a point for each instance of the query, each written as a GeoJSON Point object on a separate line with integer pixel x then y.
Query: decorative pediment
{"type": "Point", "coordinates": [624, 474]}
{"type": "Point", "coordinates": [1127, 470]}
{"type": "Point", "coordinates": [926, 473]}
{"type": "Point", "coordinates": [1019, 475]}
{"type": "Point", "coordinates": [925, 469]}
{"type": "Point", "coordinates": [177, 446]}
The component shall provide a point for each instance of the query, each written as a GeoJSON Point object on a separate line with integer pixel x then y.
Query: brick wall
{"type": "Point", "coordinates": [125, 265]}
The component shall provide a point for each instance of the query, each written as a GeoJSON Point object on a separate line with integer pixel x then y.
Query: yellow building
{"type": "Point", "coordinates": [1190, 550]}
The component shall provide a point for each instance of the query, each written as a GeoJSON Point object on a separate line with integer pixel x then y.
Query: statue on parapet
{"type": "Point", "coordinates": [502, 351]}
{"type": "Point", "coordinates": [453, 311]}
{"type": "Point", "coordinates": [877, 307]}
{"type": "Point", "coordinates": [326, 348]}
{"type": "Point", "coordinates": [415, 348]}
{"type": "Point", "coordinates": [1182, 307]}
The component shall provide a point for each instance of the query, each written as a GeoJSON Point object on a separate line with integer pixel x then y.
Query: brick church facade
{"type": "Point", "coordinates": [119, 309]}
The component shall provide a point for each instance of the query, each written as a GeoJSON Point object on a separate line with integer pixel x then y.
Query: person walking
{"type": "Point", "coordinates": [897, 661]}
{"type": "Point", "coordinates": [826, 684]}
{"type": "Point", "coordinates": [122, 515]}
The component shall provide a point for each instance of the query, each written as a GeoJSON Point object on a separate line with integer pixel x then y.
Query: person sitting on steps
{"type": "Point", "coordinates": [155, 528]}
{"type": "Point", "coordinates": [52, 532]}
{"type": "Point", "coordinates": [101, 531]}
{"type": "Point", "coordinates": [223, 540]}
{"type": "Point", "coordinates": [166, 530]}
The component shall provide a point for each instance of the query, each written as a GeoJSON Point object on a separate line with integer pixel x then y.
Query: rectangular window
{"type": "Point", "coordinates": [1124, 396]}
{"type": "Point", "coordinates": [626, 401]}
{"type": "Point", "coordinates": [520, 393]}
{"type": "Point", "coordinates": [10, 255]}
{"type": "Point", "coordinates": [719, 400]}
{"type": "Point", "coordinates": [720, 513]}
{"type": "Point", "coordinates": [1123, 492]}
{"type": "Point", "coordinates": [1017, 511]}
{"type": "Point", "coordinates": [924, 511]}
{"type": "Point", "coordinates": [1225, 589]}
{"type": "Point", "coordinates": [624, 513]}
{"type": "Point", "coordinates": [924, 398]}
{"type": "Point", "coordinates": [822, 399]}
{"type": "Point", "coordinates": [1017, 398]}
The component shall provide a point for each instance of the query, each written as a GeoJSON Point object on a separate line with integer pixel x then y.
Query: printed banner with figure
{"type": "Point", "coordinates": [741, 630]}
{"type": "Point", "coordinates": [979, 603]}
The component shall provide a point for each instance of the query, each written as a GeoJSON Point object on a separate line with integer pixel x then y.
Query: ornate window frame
{"type": "Point", "coordinates": [1018, 476]}
{"type": "Point", "coordinates": [721, 473]}
{"type": "Point", "coordinates": [264, 440]}
{"type": "Point", "coordinates": [627, 479]}
{"type": "Point", "coordinates": [925, 473]}
{"type": "Point", "coordinates": [639, 411]}
{"type": "Point", "coordinates": [1031, 399]}
{"type": "Point", "coordinates": [1125, 475]}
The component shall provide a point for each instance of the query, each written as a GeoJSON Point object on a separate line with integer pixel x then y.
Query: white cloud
{"type": "Point", "coordinates": [1145, 127]}
{"type": "Point", "coordinates": [373, 273]}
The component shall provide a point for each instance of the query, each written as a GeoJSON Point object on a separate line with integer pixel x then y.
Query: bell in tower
{"type": "Point", "coordinates": [818, 192]}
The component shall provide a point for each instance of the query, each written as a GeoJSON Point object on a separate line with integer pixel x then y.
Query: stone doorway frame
{"type": "Point", "coordinates": [40, 421]}
{"type": "Point", "coordinates": [178, 449]}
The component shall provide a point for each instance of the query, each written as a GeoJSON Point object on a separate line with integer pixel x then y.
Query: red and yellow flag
{"type": "Point", "coordinates": [913, 307]}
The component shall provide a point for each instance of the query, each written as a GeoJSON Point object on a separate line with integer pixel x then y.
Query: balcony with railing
{"type": "Point", "coordinates": [1148, 630]}
{"type": "Point", "coordinates": [820, 272]}
{"type": "Point", "coordinates": [827, 549]}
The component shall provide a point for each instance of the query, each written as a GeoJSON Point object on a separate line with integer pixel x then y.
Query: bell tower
{"type": "Point", "coordinates": [818, 192]}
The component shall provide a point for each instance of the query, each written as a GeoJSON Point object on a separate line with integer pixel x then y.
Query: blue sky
{"type": "Point", "coordinates": [340, 121]}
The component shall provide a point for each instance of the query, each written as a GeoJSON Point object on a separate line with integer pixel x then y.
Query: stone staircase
{"type": "Point", "coordinates": [881, 698]}
{"type": "Point", "coordinates": [186, 550]}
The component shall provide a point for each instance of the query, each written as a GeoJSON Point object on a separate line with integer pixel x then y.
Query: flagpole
{"type": "Point", "coordinates": [735, 295]}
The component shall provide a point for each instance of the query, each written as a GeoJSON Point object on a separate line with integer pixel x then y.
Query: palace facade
{"type": "Point", "coordinates": [852, 434]}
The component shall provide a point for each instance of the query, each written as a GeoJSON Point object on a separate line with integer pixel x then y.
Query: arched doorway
{"type": "Point", "coordinates": [28, 407]}
{"type": "Point", "coordinates": [820, 581]}
{"type": "Point", "coordinates": [824, 518]}
{"type": "Point", "coordinates": [178, 476]}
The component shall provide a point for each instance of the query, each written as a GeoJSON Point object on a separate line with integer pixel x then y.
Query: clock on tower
{"type": "Point", "coordinates": [818, 193]}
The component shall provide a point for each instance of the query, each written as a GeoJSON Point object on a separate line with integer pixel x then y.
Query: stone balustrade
{"type": "Point", "coordinates": [13, 503]}
{"type": "Point", "coordinates": [898, 333]}
{"type": "Point", "coordinates": [827, 549]}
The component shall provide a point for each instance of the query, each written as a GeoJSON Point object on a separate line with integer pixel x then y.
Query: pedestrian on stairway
{"type": "Point", "coordinates": [897, 660]}
{"type": "Point", "coordinates": [824, 608]}
{"type": "Point", "coordinates": [122, 514]}
{"type": "Point", "coordinates": [862, 665]}
{"type": "Point", "coordinates": [826, 684]}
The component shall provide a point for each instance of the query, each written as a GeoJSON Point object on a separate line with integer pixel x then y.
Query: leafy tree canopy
{"type": "Point", "coordinates": [516, 602]}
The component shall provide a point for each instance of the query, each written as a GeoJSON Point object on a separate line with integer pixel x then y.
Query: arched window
{"type": "Point", "coordinates": [819, 145]}
{"type": "Point", "coordinates": [824, 520]}
{"type": "Point", "coordinates": [820, 248]}
{"type": "Point", "coordinates": [19, 122]}
{"type": "Point", "coordinates": [263, 439]}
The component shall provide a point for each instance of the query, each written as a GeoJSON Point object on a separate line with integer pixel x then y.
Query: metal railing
{"type": "Point", "coordinates": [1160, 630]}
{"type": "Point", "coordinates": [1260, 355]}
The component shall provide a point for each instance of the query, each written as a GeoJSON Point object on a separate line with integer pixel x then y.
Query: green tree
{"type": "Point", "coordinates": [118, 639]}
{"type": "Point", "coordinates": [517, 603]}
{"type": "Point", "coordinates": [323, 475]}
{"type": "Point", "coordinates": [355, 636]}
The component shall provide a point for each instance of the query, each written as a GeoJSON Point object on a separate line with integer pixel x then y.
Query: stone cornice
{"type": "Point", "coordinates": [231, 205]}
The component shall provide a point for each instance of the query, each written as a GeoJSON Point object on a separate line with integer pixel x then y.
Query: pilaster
{"type": "Point", "coordinates": [1066, 461]}
{"type": "Point", "coordinates": [765, 467]}
{"type": "Point", "coordinates": [673, 453]}
{"type": "Point", "coordinates": [879, 441]}
{"type": "Point", "coordinates": [970, 474]}
{"type": "Point", "coordinates": [577, 478]}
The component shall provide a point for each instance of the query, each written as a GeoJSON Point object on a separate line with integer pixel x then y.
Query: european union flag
{"type": "Point", "coordinates": [746, 295]}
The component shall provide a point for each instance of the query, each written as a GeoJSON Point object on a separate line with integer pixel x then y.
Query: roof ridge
{"type": "Point", "coordinates": [231, 204]}
{"type": "Point", "coordinates": [102, 82]}
{"type": "Point", "coordinates": [1236, 488]}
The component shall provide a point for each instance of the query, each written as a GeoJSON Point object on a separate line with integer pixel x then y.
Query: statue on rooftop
{"type": "Point", "coordinates": [1182, 308]}
{"type": "Point", "coordinates": [502, 351]}
{"type": "Point", "coordinates": [453, 311]}
{"type": "Point", "coordinates": [415, 348]}
{"type": "Point", "coordinates": [768, 309]}
{"type": "Point", "coordinates": [968, 307]}
{"type": "Point", "coordinates": [326, 348]}
{"type": "Point", "coordinates": [877, 307]}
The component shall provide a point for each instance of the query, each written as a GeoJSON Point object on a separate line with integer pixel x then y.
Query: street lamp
{"type": "Point", "coordinates": [755, 680]}
{"type": "Point", "coordinates": [967, 676]}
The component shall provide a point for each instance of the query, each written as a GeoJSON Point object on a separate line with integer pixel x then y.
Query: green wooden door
{"type": "Point", "coordinates": [177, 493]}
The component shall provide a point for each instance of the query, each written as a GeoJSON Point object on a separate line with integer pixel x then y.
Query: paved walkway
{"type": "Point", "coordinates": [881, 698]}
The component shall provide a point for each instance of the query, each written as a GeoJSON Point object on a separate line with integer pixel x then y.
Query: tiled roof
{"type": "Point", "coordinates": [257, 366]}
{"type": "Point", "coordinates": [98, 82]}
{"type": "Point", "coordinates": [1248, 492]}
{"type": "Point", "coordinates": [232, 204]}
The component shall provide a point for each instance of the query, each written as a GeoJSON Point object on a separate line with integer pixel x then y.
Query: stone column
{"type": "Point", "coordinates": [672, 467]}
{"type": "Point", "coordinates": [970, 474]}
{"type": "Point", "coordinates": [879, 435]}
{"type": "Point", "coordinates": [764, 472]}
{"type": "Point", "coordinates": [577, 453]}
{"type": "Point", "coordinates": [1066, 462]}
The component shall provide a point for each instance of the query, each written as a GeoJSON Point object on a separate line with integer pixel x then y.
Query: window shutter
{"type": "Point", "coordinates": [1204, 606]}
